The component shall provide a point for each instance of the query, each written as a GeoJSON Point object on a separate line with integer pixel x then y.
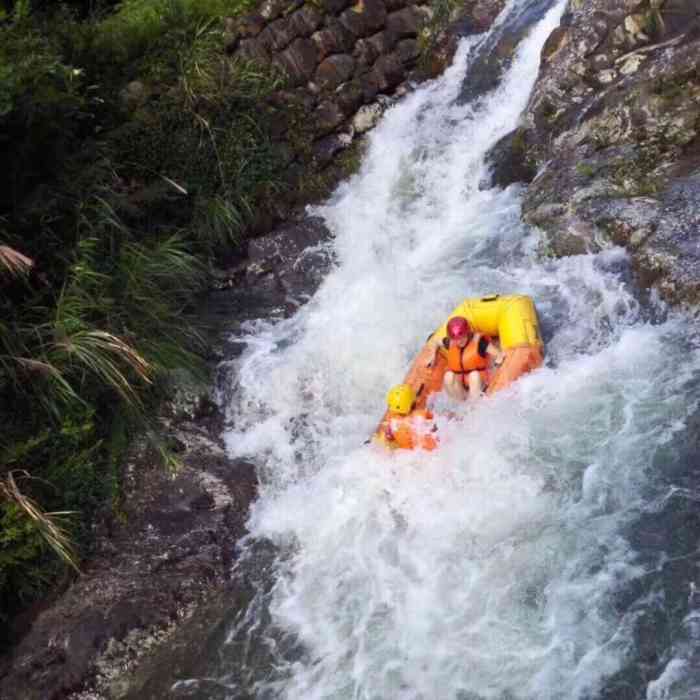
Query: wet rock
{"type": "Point", "coordinates": [508, 161]}
{"type": "Point", "coordinates": [367, 117]}
{"type": "Point", "coordinates": [189, 398]}
{"type": "Point", "coordinates": [327, 148]}
{"type": "Point", "coordinates": [496, 55]}
{"type": "Point", "coordinates": [278, 34]}
{"type": "Point", "coordinates": [295, 255]}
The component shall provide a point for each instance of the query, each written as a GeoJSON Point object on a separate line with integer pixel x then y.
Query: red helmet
{"type": "Point", "coordinates": [458, 327]}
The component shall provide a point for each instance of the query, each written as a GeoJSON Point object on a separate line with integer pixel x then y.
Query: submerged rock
{"type": "Point", "coordinates": [294, 256]}
{"type": "Point", "coordinates": [508, 161]}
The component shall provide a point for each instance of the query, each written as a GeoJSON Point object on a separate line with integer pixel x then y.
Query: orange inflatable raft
{"type": "Point", "coordinates": [511, 320]}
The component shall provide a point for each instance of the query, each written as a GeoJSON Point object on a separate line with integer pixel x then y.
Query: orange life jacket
{"type": "Point", "coordinates": [411, 431]}
{"type": "Point", "coordinates": [467, 359]}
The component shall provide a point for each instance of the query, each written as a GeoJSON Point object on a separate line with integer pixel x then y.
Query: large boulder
{"type": "Point", "coordinates": [327, 148]}
{"type": "Point", "coordinates": [508, 162]}
{"type": "Point", "coordinates": [368, 115]}
{"type": "Point", "coordinates": [294, 255]}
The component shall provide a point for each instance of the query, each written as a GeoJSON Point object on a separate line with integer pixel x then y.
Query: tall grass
{"type": "Point", "coordinates": [50, 525]}
{"type": "Point", "coordinates": [109, 221]}
{"type": "Point", "coordinates": [139, 25]}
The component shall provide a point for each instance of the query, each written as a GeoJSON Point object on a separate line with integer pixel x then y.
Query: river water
{"type": "Point", "coordinates": [549, 549]}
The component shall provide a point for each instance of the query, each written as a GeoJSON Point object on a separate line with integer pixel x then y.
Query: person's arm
{"type": "Point", "coordinates": [497, 354]}
{"type": "Point", "coordinates": [486, 347]}
{"type": "Point", "coordinates": [436, 343]}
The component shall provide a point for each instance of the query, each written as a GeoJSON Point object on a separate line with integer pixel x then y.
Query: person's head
{"type": "Point", "coordinates": [400, 399]}
{"type": "Point", "coordinates": [459, 330]}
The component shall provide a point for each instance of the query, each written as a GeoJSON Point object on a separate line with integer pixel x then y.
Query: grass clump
{"type": "Point", "coordinates": [585, 170]}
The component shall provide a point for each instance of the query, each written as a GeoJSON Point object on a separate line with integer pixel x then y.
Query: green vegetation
{"type": "Point", "coordinates": [134, 153]}
{"type": "Point", "coordinates": [585, 170]}
{"type": "Point", "coordinates": [443, 12]}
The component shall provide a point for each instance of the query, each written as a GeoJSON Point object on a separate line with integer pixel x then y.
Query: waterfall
{"type": "Point", "coordinates": [529, 556]}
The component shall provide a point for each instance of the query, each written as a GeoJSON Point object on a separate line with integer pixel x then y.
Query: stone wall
{"type": "Point", "coordinates": [339, 57]}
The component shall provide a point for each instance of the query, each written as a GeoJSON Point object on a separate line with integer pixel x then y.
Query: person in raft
{"type": "Point", "coordinates": [406, 427]}
{"type": "Point", "coordinates": [469, 360]}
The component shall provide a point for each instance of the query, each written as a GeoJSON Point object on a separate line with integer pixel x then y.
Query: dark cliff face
{"type": "Point", "coordinates": [611, 137]}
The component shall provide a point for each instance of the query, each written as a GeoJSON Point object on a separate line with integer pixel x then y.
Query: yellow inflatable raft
{"type": "Point", "coordinates": [512, 320]}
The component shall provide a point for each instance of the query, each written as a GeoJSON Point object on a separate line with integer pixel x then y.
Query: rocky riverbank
{"type": "Point", "coordinates": [168, 547]}
{"type": "Point", "coordinates": [610, 142]}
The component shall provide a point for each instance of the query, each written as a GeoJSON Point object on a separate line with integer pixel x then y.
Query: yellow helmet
{"type": "Point", "coordinates": [400, 399]}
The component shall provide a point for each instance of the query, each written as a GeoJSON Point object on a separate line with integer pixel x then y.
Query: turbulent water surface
{"type": "Point", "coordinates": [549, 549]}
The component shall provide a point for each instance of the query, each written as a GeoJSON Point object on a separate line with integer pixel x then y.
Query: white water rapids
{"type": "Point", "coordinates": [493, 567]}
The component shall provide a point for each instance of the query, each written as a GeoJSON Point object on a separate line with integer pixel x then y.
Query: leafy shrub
{"type": "Point", "coordinates": [144, 26]}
